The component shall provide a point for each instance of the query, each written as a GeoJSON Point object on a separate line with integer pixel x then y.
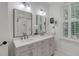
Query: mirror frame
{"type": "Point", "coordinates": [15, 12]}
{"type": "Point", "coordinates": [40, 25]}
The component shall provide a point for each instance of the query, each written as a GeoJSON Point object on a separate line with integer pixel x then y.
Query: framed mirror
{"type": "Point", "coordinates": [40, 24]}
{"type": "Point", "coordinates": [22, 23]}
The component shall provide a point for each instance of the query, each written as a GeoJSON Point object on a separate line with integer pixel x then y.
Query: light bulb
{"type": "Point", "coordinates": [41, 12]}
{"type": "Point", "coordinates": [44, 14]}
{"type": "Point", "coordinates": [22, 6]}
{"type": "Point", "coordinates": [28, 8]}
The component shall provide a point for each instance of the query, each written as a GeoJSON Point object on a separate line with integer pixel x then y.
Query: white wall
{"type": "Point", "coordinates": [4, 29]}
{"type": "Point", "coordinates": [34, 6]}
{"type": "Point", "coordinates": [56, 12]}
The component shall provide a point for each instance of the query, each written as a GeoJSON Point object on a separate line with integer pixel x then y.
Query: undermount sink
{"type": "Point", "coordinates": [27, 39]}
{"type": "Point", "coordinates": [32, 39]}
{"type": "Point", "coordinates": [35, 37]}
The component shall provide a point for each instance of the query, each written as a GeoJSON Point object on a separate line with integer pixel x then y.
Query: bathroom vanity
{"type": "Point", "coordinates": [35, 46]}
{"type": "Point", "coordinates": [36, 43]}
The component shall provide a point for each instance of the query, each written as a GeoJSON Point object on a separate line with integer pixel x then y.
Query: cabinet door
{"type": "Point", "coordinates": [45, 47]}
{"type": "Point", "coordinates": [24, 50]}
{"type": "Point", "coordinates": [39, 48]}
{"type": "Point", "coordinates": [51, 46]}
{"type": "Point", "coordinates": [35, 49]}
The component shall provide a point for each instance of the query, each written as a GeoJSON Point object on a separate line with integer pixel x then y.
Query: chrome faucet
{"type": "Point", "coordinates": [24, 35]}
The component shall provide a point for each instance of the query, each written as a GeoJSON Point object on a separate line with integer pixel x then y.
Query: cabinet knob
{"type": "Point", "coordinates": [3, 43]}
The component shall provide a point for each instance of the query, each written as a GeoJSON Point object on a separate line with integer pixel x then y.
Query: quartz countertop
{"type": "Point", "coordinates": [32, 39]}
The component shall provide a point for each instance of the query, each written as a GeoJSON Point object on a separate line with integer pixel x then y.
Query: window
{"type": "Point", "coordinates": [75, 29]}
{"type": "Point", "coordinates": [71, 20]}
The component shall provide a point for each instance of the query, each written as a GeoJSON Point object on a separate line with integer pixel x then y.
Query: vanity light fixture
{"type": "Point", "coordinates": [22, 6]}
{"type": "Point", "coordinates": [42, 12]}
{"type": "Point", "coordinates": [25, 5]}
{"type": "Point", "coordinates": [28, 7]}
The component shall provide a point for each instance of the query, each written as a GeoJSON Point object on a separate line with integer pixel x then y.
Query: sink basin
{"type": "Point", "coordinates": [32, 39]}
{"type": "Point", "coordinates": [27, 40]}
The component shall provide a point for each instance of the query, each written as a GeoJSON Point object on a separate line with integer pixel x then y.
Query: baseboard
{"type": "Point", "coordinates": [60, 52]}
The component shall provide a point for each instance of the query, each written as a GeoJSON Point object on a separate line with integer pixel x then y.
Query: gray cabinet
{"type": "Point", "coordinates": [24, 50]}
{"type": "Point", "coordinates": [41, 48]}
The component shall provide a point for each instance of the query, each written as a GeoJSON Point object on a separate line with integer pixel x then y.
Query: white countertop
{"type": "Point", "coordinates": [18, 42]}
